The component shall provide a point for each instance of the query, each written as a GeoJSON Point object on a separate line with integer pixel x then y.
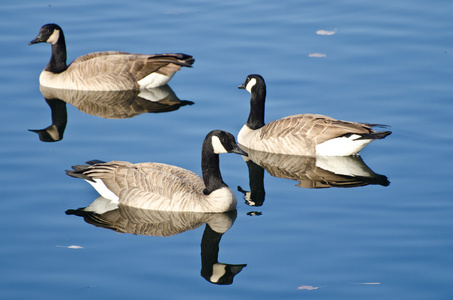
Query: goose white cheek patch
{"type": "Point", "coordinates": [217, 145]}
{"type": "Point", "coordinates": [250, 84]}
{"type": "Point", "coordinates": [54, 37]}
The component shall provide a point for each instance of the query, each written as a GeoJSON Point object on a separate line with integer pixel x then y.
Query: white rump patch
{"type": "Point", "coordinates": [217, 145]}
{"type": "Point", "coordinates": [54, 37]}
{"type": "Point", "coordinates": [341, 146]}
{"type": "Point", "coordinates": [102, 189]}
{"type": "Point", "coordinates": [250, 84]}
{"type": "Point", "coordinates": [154, 80]}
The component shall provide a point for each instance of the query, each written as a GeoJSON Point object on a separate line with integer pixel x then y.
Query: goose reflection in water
{"type": "Point", "coordinates": [105, 104]}
{"type": "Point", "coordinates": [125, 219]}
{"type": "Point", "coordinates": [310, 172]}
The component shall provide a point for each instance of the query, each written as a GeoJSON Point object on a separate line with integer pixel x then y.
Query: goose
{"type": "Point", "coordinates": [165, 187]}
{"type": "Point", "coordinates": [303, 134]}
{"type": "Point", "coordinates": [107, 70]}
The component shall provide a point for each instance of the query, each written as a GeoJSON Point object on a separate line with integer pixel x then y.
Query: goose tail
{"type": "Point", "coordinates": [182, 59]}
{"type": "Point", "coordinates": [374, 135]}
{"type": "Point", "coordinates": [78, 170]}
{"type": "Point", "coordinates": [187, 59]}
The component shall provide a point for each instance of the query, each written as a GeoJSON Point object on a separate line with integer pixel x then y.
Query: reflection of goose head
{"type": "Point", "coordinates": [124, 219]}
{"type": "Point", "coordinates": [222, 274]}
{"type": "Point", "coordinates": [55, 131]}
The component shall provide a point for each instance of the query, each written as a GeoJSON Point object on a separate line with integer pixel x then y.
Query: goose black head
{"type": "Point", "coordinates": [251, 81]}
{"type": "Point", "coordinates": [223, 142]}
{"type": "Point", "coordinates": [49, 33]}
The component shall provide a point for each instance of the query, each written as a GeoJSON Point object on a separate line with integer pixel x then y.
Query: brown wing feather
{"type": "Point", "coordinates": [148, 185]}
{"type": "Point", "coordinates": [140, 65]}
{"type": "Point", "coordinates": [314, 127]}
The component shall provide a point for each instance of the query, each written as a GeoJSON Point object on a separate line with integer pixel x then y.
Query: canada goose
{"type": "Point", "coordinates": [304, 134]}
{"type": "Point", "coordinates": [164, 187]}
{"type": "Point", "coordinates": [107, 70]}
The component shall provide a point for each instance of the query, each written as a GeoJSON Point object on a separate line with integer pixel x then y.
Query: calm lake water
{"type": "Point", "coordinates": [387, 235]}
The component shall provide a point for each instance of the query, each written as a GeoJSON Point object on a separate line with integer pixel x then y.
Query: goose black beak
{"type": "Point", "coordinates": [239, 151]}
{"type": "Point", "coordinates": [36, 40]}
{"type": "Point", "coordinates": [242, 86]}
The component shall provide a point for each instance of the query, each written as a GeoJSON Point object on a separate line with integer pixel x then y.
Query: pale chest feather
{"type": "Point", "coordinates": [222, 200]}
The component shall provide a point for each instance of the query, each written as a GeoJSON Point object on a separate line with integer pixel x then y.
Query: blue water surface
{"type": "Point", "coordinates": [387, 62]}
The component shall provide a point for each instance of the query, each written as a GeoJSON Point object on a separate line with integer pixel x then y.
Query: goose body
{"type": "Point", "coordinates": [165, 187]}
{"type": "Point", "coordinates": [107, 70]}
{"type": "Point", "coordinates": [302, 134]}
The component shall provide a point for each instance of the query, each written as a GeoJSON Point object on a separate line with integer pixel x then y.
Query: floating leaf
{"type": "Point", "coordinates": [307, 287]}
{"type": "Point", "coordinates": [316, 55]}
{"type": "Point", "coordinates": [72, 247]}
{"type": "Point", "coordinates": [326, 32]}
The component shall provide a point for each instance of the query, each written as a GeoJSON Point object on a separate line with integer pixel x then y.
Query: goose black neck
{"type": "Point", "coordinates": [57, 63]}
{"type": "Point", "coordinates": [210, 169]}
{"type": "Point", "coordinates": [257, 99]}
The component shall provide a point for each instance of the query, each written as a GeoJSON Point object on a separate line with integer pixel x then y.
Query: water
{"type": "Point", "coordinates": [387, 62]}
